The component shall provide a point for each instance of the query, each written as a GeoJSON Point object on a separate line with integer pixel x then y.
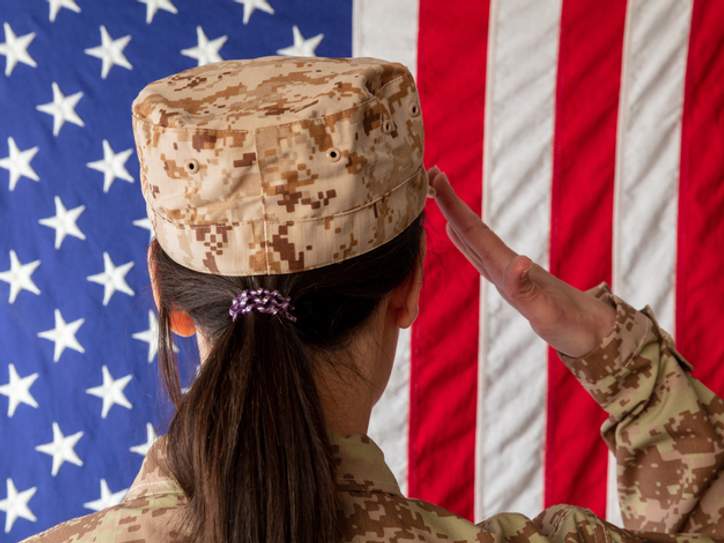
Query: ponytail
{"type": "Point", "coordinates": [249, 443]}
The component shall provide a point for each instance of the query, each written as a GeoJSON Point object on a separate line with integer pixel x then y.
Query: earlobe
{"type": "Point", "coordinates": [182, 324]}
{"type": "Point", "coordinates": [408, 318]}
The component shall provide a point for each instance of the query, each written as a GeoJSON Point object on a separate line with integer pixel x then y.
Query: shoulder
{"type": "Point", "coordinates": [151, 511]}
{"type": "Point", "coordinates": [141, 519]}
{"type": "Point", "coordinates": [376, 516]}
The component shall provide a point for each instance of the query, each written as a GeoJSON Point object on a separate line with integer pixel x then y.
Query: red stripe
{"type": "Point", "coordinates": [589, 67]}
{"type": "Point", "coordinates": [451, 79]}
{"type": "Point", "coordinates": [700, 258]}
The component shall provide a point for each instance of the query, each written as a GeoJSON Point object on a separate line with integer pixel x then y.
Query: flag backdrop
{"type": "Point", "coordinates": [589, 135]}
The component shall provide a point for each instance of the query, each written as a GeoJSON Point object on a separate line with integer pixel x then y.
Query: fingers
{"type": "Point", "coordinates": [562, 315]}
{"type": "Point", "coordinates": [466, 250]}
{"type": "Point", "coordinates": [492, 254]}
{"type": "Point", "coordinates": [453, 208]}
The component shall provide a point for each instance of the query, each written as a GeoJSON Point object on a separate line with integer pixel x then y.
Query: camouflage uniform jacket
{"type": "Point", "coordinates": [665, 428]}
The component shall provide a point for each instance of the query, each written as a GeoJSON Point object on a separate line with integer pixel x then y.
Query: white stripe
{"type": "Point", "coordinates": [388, 30]}
{"type": "Point", "coordinates": [613, 510]}
{"type": "Point", "coordinates": [647, 164]}
{"type": "Point", "coordinates": [519, 124]}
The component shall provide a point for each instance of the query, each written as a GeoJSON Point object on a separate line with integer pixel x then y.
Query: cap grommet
{"type": "Point", "coordinates": [414, 109]}
{"type": "Point", "coordinates": [387, 125]}
{"type": "Point", "coordinates": [192, 165]}
{"type": "Point", "coordinates": [334, 154]}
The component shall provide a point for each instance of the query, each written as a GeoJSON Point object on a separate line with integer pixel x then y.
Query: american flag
{"type": "Point", "coordinates": [588, 134]}
{"type": "Point", "coordinates": [79, 393]}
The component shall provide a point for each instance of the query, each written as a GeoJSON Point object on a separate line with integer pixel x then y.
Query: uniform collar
{"type": "Point", "coordinates": [361, 465]}
{"type": "Point", "coordinates": [154, 477]}
{"type": "Point", "coordinates": [359, 462]}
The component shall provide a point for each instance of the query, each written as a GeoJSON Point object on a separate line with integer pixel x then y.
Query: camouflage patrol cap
{"type": "Point", "coordinates": [280, 164]}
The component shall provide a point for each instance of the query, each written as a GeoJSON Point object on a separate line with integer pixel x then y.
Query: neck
{"type": "Point", "coordinates": [347, 408]}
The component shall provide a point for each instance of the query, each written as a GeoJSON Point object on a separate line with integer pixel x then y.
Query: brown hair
{"type": "Point", "coordinates": [248, 443]}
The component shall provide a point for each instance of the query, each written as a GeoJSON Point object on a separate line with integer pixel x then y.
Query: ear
{"type": "Point", "coordinates": [181, 322]}
{"type": "Point", "coordinates": [405, 299]}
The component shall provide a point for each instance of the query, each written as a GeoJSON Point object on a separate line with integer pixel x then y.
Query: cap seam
{"type": "Point", "coordinates": [279, 125]}
{"type": "Point", "coordinates": [320, 264]}
{"type": "Point", "coordinates": [302, 219]}
{"type": "Point", "coordinates": [263, 210]}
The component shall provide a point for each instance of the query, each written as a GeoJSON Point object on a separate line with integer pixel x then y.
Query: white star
{"type": "Point", "coordinates": [18, 390]}
{"type": "Point", "coordinates": [110, 51]}
{"type": "Point", "coordinates": [301, 47]}
{"type": "Point", "coordinates": [19, 276]}
{"type": "Point", "coordinates": [63, 335]}
{"type": "Point", "coordinates": [152, 6]}
{"type": "Point", "coordinates": [185, 389]}
{"type": "Point", "coordinates": [111, 392]}
{"type": "Point", "coordinates": [16, 505]}
{"type": "Point", "coordinates": [15, 49]}
{"type": "Point", "coordinates": [64, 222]}
{"type": "Point", "coordinates": [61, 449]}
{"type": "Point", "coordinates": [112, 278]}
{"type": "Point", "coordinates": [112, 165]}
{"type": "Point", "coordinates": [56, 5]}
{"type": "Point", "coordinates": [107, 499]}
{"type": "Point", "coordinates": [62, 108]}
{"type": "Point", "coordinates": [18, 163]}
{"type": "Point", "coordinates": [150, 336]}
{"type": "Point", "coordinates": [145, 223]}
{"type": "Point", "coordinates": [142, 449]}
{"type": "Point", "coordinates": [251, 5]}
{"type": "Point", "coordinates": [206, 51]}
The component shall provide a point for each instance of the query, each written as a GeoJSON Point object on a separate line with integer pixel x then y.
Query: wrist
{"type": "Point", "coordinates": [598, 317]}
{"type": "Point", "coordinates": [605, 320]}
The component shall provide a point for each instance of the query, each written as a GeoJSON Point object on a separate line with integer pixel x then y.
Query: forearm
{"type": "Point", "coordinates": [664, 427]}
{"type": "Point", "coordinates": [569, 524]}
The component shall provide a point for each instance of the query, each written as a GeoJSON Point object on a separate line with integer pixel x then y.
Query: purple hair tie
{"type": "Point", "coordinates": [263, 301]}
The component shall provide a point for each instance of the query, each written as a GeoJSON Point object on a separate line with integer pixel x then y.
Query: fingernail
{"type": "Point", "coordinates": [431, 192]}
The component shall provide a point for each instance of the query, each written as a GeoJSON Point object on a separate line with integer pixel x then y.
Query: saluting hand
{"type": "Point", "coordinates": [567, 318]}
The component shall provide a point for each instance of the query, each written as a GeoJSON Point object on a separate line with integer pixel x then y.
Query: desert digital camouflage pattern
{"type": "Point", "coordinates": [280, 164]}
{"type": "Point", "coordinates": [665, 427]}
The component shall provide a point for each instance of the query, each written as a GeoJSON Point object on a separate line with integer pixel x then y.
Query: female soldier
{"type": "Point", "coordinates": [286, 197]}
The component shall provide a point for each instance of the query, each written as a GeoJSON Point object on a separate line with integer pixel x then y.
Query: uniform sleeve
{"type": "Point", "coordinates": [569, 524]}
{"type": "Point", "coordinates": [665, 428]}
{"type": "Point", "coordinates": [85, 529]}
{"type": "Point", "coordinates": [142, 519]}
